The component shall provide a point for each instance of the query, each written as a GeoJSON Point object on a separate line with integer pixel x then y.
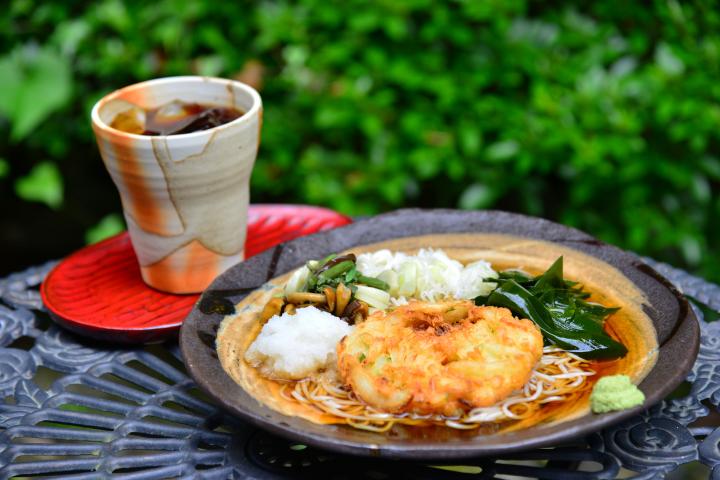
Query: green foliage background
{"type": "Point", "coordinates": [604, 116]}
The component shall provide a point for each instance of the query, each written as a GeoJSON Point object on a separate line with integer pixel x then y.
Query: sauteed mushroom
{"type": "Point", "coordinates": [356, 311]}
{"type": "Point", "coordinates": [305, 297]}
{"type": "Point", "coordinates": [331, 284]}
{"type": "Point", "coordinates": [342, 297]}
{"type": "Point", "coordinates": [330, 299]}
{"type": "Point", "coordinates": [272, 308]}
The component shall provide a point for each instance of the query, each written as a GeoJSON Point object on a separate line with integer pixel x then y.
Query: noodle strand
{"type": "Point", "coordinates": [559, 376]}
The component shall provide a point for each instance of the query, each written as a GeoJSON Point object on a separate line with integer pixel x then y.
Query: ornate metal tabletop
{"type": "Point", "coordinates": [84, 410]}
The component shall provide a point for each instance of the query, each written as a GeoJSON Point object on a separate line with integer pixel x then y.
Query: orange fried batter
{"type": "Point", "coordinates": [438, 358]}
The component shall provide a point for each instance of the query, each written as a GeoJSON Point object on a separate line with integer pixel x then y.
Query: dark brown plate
{"type": "Point", "coordinates": [675, 325]}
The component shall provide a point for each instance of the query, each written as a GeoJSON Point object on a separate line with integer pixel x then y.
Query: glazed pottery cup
{"type": "Point", "coordinates": [185, 197]}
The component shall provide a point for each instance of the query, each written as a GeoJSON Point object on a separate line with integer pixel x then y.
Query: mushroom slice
{"type": "Point", "coordinates": [330, 298]}
{"type": "Point", "coordinates": [356, 311]}
{"type": "Point", "coordinates": [342, 298]}
{"type": "Point", "coordinates": [272, 308]}
{"type": "Point", "coordinates": [306, 297]}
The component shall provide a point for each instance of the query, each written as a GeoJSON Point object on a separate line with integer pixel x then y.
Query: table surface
{"type": "Point", "coordinates": [86, 410]}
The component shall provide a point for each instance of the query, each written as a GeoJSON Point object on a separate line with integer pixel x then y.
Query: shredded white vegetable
{"type": "Point", "coordinates": [430, 275]}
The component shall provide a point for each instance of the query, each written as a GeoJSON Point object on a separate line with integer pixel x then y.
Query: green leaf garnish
{"type": "Point", "coordinates": [559, 308]}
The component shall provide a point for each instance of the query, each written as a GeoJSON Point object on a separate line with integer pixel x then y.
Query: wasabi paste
{"type": "Point", "coordinates": [615, 392]}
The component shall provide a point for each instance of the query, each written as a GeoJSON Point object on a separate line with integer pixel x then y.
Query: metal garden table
{"type": "Point", "coordinates": [79, 409]}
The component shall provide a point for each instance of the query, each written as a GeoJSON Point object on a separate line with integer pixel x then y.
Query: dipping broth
{"type": "Point", "coordinates": [174, 118]}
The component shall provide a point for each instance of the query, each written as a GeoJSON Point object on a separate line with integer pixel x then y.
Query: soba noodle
{"type": "Point", "coordinates": [558, 376]}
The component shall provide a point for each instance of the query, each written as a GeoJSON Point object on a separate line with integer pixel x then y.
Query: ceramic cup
{"type": "Point", "coordinates": [184, 197]}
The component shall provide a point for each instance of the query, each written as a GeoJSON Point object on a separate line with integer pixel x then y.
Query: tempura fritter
{"type": "Point", "coordinates": [438, 358]}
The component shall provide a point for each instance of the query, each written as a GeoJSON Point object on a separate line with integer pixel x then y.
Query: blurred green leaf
{"type": "Point", "coordinates": [43, 184]}
{"type": "Point", "coordinates": [604, 117]}
{"type": "Point", "coordinates": [210, 65]}
{"type": "Point", "coordinates": [691, 249]}
{"type": "Point", "coordinates": [69, 36]}
{"type": "Point", "coordinates": [113, 13]}
{"type": "Point", "coordinates": [502, 150]}
{"type": "Point", "coordinates": [35, 83]}
{"type": "Point", "coordinates": [4, 168]}
{"type": "Point", "coordinates": [476, 196]}
{"type": "Point", "coordinates": [668, 61]}
{"type": "Point", "coordinates": [110, 225]}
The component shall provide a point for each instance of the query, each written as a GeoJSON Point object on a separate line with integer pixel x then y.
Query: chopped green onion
{"type": "Point", "coordinates": [372, 296]}
{"type": "Point", "coordinates": [391, 278]}
{"type": "Point", "coordinates": [335, 271]}
{"type": "Point", "coordinates": [327, 259]}
{"type": "Point", "coordinates": [373, 282]}
{"type": "Point", "coordinates": [351, 275]}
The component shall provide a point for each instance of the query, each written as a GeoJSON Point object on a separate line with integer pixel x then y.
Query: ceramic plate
{"type": "Point", "coordinates": [667, 338]}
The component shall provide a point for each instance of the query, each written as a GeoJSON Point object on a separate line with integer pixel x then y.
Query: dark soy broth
{"type": "Point", "coordinates": [174, 118]}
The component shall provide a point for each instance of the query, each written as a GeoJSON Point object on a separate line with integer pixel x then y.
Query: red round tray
{"type": "Point", "coordinates": [98, 291]}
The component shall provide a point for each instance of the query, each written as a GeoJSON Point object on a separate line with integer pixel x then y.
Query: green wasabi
{"type": "Point", "coordinates": [615, 392]}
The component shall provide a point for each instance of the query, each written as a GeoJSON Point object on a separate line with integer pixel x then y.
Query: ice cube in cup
{"type": "Point", "coordinates": [130, 117]}
{"type": "Point", "coordinates": [171, 112]}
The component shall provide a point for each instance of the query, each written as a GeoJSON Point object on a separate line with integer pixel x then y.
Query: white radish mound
{"type": "Point", "coordinates": [293, 347]}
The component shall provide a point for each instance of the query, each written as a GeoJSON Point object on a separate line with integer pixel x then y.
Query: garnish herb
{"type": "Point", "coordinates": [559, 308]}
{"type": "Point", "coordinates": [335, 285]}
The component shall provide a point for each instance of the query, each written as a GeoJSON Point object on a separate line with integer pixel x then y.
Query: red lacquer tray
{"type": "Point", "coordinates": [98, 292]}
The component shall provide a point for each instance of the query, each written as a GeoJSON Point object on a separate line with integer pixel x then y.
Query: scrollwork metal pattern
{"type": "Point", "coordinates": [92, 411]}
